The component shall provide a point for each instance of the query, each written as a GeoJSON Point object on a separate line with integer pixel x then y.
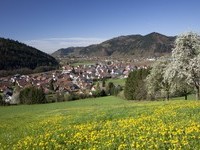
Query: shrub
{"type": "Point", "coordinates": [117, 90]}
{"type": "Point", "coordinates": [74, 96]}
{"type": "Point", "coordinates": [99, 93]}
{"type": "Point", "coordinates": [121, 94]}
{"type": "Point", "coordinates": [103, 93]}
{"type": "Point", "coordinates": [60, 97]}
{"type": "Point", "coordinates": [1, 101]}
{"type": "Point", "coordinates": [67, 97]}
{"type": "Point", "coordinates": [32, 95]}
{"type": "Point", "coordinates": [110, 89]}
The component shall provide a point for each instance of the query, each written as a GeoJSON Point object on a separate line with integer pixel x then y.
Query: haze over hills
{"type": "Point", "coordinates": [68, 51]}
{"type": "Point", "coordinates": [150, 45]}
{"type": "Point", "coordinates": [16, 55]}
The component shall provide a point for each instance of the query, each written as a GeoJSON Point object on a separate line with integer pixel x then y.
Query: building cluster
{"type": "Point", "coordinates": [76, 79]}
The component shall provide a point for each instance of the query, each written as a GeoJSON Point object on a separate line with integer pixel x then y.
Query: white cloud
{"type": "Point", "coordinates": [52, 44]}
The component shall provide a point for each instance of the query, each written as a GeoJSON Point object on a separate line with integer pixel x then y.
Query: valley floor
{"type": "Point", "coordinates": [102, 123]}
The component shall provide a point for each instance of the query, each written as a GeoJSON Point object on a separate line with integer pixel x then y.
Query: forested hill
{"type": "Point", "coordinates": [150, 45]}
{"type": "Point", "coordinates": [16, 55]}
{"type": "Point", "coordinates": [68, 51]}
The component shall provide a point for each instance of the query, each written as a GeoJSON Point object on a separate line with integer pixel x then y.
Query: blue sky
{"type": "Point", "coordinates": [52, 24]}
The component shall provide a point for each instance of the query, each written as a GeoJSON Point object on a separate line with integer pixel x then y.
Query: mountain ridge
{"type": "Point", "coordinates": [152, 44]}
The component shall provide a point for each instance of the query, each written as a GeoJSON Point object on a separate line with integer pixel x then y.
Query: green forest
{"type": "Point", "coordinates": [16, 55]}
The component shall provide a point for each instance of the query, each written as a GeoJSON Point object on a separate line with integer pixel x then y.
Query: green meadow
{"type": "Point", "coordinates": [102, 123]}
{"type": "Point", "coordinates": [83, 63]}
{"type": "Point", "coordinates": [117, 81]}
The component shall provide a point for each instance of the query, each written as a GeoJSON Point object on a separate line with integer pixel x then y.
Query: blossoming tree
{"type": "Point", "coordinates": [156, 85]}
{"type": "Point", "coordinates": [186, 60]}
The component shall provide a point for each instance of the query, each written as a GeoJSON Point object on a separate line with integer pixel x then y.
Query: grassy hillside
{"type": "Point", "coordinates": [102, 123]}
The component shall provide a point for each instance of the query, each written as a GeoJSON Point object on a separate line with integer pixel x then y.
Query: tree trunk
{"type": "Point", "coordinates": [185, 96]}
{"type": "Point", "coordinates": [167, 95]}
{"type": "Point", "coordinates": [197, 93]}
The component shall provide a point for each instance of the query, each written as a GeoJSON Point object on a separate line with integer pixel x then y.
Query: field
{"type": "Point", "coordinates": [102, 123]}
{"type": "Point", "coordinates": [83, 63]}
{"type": "Point", "coordinates": [117, 81]}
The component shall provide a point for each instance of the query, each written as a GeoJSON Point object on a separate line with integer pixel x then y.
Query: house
{"type": "Point", "coordinates": [23, 83]}
{"type": "Point", "coordinates": [8, 94]}
{"type": "Point", "coordinates": [4, 85]}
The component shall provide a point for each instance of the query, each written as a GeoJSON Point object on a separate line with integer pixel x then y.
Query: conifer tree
{"type": "Point", "coordinates": [135, 85]}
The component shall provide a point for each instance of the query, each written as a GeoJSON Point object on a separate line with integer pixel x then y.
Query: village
{"type": "Point", "coordinates": [68, 79]}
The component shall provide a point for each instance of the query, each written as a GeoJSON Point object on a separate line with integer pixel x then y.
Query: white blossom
{"type": "Point", "coordinates": [156, 85]}
{"type": "Point", "coordinates": [186, 60]}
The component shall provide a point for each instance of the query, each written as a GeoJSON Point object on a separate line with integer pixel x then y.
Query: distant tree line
{"type": "Point", "coordinates": [25, 71]}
